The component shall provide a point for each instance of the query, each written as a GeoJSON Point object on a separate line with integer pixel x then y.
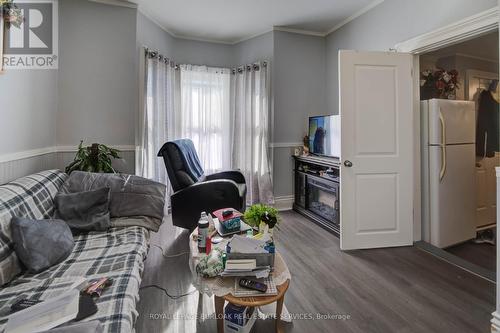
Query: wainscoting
{"type": "Point", "coordinates": [10, 170]}
{"type": "Point", "coordinates": [17, 165]}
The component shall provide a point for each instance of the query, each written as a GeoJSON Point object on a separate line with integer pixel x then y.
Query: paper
{"type": "Point", "coordinates": [241, 244]}
{"type": "Point", "coordinates": [45, 315]}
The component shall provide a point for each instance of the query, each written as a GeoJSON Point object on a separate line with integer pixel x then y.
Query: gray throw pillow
{"type": "Point", "coordinates": [85, 211]}
{"type": "Point", "coordinates": [40, 244]}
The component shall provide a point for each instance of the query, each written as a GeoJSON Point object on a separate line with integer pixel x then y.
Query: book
{"type": "Point", "coordinates": [241, 264]}
{"type": "Point", "coordinates": [45, 315]}
{"type": "Point", "coordinates": [240, 291]}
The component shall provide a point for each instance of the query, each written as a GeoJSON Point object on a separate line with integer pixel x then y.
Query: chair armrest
{"type": "Point", "coordinates": [233, 175]}
{"type": "Point", "coordinates": [205, 196]}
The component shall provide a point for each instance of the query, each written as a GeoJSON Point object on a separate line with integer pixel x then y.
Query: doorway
{"type": "Point", "coordinates": [459, 207]}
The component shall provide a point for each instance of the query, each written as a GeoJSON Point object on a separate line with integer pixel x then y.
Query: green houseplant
{"type": "Point", "coordinates": [94, 158]}
{"type": "Point", "coordinates": [11, 14]}
{"type": "Point", "coordinates": [259, 214]}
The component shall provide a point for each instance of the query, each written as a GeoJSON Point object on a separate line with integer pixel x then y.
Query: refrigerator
{"type": "Point", "coordinates": [448, 134]}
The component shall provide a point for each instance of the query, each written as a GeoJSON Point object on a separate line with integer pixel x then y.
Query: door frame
{"type": "Point", "coordinates": [460, 31]}
{"type": "Point", "coordinates": [463, 30]}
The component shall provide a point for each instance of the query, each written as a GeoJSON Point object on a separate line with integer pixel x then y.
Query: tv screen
{"type": "Point", "coordinates": [324, 135]}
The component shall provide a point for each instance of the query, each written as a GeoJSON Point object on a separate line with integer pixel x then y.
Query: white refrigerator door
{"type": "Point", "coordinates": [453, 122]}
{"type": "Point", "coordinates": [452, 197]}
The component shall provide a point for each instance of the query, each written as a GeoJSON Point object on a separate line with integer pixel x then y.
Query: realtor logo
{"type": "Point", "coordinates": [33, 42]}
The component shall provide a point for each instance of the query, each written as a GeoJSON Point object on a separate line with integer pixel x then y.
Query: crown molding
{"type": "Point", "coordinates": [152, 19]}
{"type": "Point", "coordinates": [299, 31]}
{"type": "Point", "coordinates": [244, 39]}
{"type": "Point", "coordinates": [354, 16]}
{"type": "Point", "coordinates": [457, 32]}
{"type": "Point", "coordinates": [461, 55]}
{"type": "Point", "coordinates": [275, 28]}
{"type": "Point", "coordinates": [117, 3]}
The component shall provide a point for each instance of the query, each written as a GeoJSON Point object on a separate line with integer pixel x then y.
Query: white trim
{"type": "Point", "coordinates": [460, 31]}
{"type": "Point", "coordinates": [497, 170]}
{"type": "Point", "coordinates": [51, 150]}
{"type": "Point", "coordinates": [204, 40]}
{"type": "Point", "coordinates": [354, 16]}
{"type": "Point", "coordinates": [275, 28]}
{"type": "Point", "coordinates": [152, 19]}
{"type": "Point", "coordinates": [299, 31]}
{"type": "Point", "coordinates": [117, 3]}
{"type": "Point", "coordinates": [285, 144]}
{"type": "Point", "coordinates": [26, 154]}
{"type": "Point", "coordinates": [71, 149]}
{"type": "Point", "coordinates": [244, 39]}
{"type": "Point", "coordinates": [470, 56]}
{"type": "Point", "coordinates": [284, 202]}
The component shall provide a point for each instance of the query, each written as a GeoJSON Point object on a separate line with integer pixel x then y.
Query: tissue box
{"type": "Point", "coordinates": [230, 222]}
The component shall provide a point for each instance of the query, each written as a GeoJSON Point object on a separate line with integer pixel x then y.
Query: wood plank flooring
{"type": "Point", "coordinates": [383, 290]}
{"type": "Point", "coordinates": [483, 255]}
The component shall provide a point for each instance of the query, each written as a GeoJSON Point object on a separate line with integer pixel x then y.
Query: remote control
{"type": "Point", "coordinates": [255, 285]}
{"type": "Point", "coordinates": [23, 304]}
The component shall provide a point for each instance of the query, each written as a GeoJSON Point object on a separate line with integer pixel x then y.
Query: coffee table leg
{"type": "Point", "coordinates": [279, 309]}
{"type": "Point", "coordinates": [219, 312]}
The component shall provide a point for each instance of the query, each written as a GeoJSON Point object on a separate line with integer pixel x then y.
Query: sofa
{"type": "Point", "coordinates": [118, 253]}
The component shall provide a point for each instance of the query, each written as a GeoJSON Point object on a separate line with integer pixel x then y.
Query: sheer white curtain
{"type": "Point", "coordinates": [250, 130]}
{"type": "Point", "coordinates": [205, 114]}
{"type": "Point", "coordinates": [161, 99]}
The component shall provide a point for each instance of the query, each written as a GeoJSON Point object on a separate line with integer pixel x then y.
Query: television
{"type": "Point", "coordinates": [324, 136]}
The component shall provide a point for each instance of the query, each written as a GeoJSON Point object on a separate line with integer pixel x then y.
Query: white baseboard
{"type": "Point", "coordinates": [284, 202]}
{"type": "Point", "coordinates": [495, 322]}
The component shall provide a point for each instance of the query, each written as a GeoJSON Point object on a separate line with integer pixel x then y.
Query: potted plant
{"type": "Point", "coordinates": [262, 216]}
{"type": "Point", "coordinates": [11, 14]}
{"type": "Point", "coordinates": [94, 158]}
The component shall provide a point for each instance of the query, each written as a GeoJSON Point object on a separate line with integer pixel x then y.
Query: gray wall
{"type": "Point", "coordinates": [392, 22]}
{"type": "Point", "coordinates": [151, 35]}
{"type": "Point", "coordinates": [203, 53]}
{"type": "Point", "coordinates": [299, 92]}
{"type": "Point", "coordinates": [258, 48]}
{"type": "Point", "coordinates": [97, 74]}
{"type": "Point", "coordinates": [28, 110]}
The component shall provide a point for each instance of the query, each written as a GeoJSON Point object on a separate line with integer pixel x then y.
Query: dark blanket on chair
{"type": "Point", "coordinates": [190, 159]}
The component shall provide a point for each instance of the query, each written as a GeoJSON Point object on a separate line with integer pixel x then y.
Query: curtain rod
{"type": "Point", "coordinates": [248, 68]}
{"type": "Point", "coordinates": [240, 69]}
{"type": "Point", "coordinates": [156, 54]}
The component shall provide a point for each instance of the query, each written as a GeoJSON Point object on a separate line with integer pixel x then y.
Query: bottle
{"type": "Point", "coordinates": [202, 231]}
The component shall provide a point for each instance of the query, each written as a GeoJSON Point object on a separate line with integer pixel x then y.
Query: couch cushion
{"type": "Point", "coordinates": [30, 197]}
{"type": "Point", "coordinates": [85, 211]}
{"type": "Point", "coordinates": [118, 254]}
{"type": "Point", "coordinates": [41, 243]}
{"type": "Point", "coordinates": [130, 195]}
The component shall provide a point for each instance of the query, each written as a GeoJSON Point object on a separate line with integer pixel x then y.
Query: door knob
{"type": "Point", "coordinates": [348, 163]}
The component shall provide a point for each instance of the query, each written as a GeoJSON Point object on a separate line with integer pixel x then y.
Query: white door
{"type": "Point", "coordinates": [376, 105]}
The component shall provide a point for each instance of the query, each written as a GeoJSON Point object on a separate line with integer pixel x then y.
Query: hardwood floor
{"type": "Point", "coordinates": [483, 255]}
{"type": "Point", "coordinates": [383, 290]}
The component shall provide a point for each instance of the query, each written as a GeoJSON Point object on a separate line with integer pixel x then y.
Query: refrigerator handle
{"type": "Point", "coordinates": [443, 147]}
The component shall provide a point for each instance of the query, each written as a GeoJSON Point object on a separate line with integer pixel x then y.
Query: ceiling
{"type": "Point", "coordinates": [485, 47]}
{"type": "Point", "coordinates": [236, 20]}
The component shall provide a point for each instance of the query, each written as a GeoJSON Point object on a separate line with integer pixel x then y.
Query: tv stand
{"type": "Point", "coordinates": [317, 190]}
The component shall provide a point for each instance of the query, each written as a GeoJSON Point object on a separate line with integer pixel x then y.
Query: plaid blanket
{"type": "Point", "coordinates": [118, 254]}
{"type": "Point", "coordinates": [32, 197]}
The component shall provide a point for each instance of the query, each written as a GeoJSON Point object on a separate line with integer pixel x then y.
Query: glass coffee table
{"type": "Point", "coordinates": [222, 288]}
